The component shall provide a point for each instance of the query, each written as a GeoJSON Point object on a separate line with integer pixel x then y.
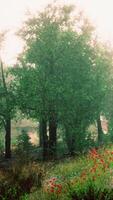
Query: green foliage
{"type": "Point", "coordinates": [63, 73]}
{"type": "Point", "coordinates": [23, 144]}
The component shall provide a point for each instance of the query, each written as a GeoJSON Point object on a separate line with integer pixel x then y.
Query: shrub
{"type": "Point", "coordinates": [20, 180]}
{"type": "Point", "coordinates": [23, 147]}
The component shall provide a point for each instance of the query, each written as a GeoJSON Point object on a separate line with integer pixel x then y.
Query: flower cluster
{"type": "Point", "coordinates": [96, 169]}
{"type": "Point", "coordinates": [54, 186]}
{"type": "Point", "coordinates": [99, 163]}
{"type": "Point", "coordinates": [102, 162]}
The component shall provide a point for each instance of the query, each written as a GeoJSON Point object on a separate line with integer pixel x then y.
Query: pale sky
{"type": "Point", "coordinates": [12, 14]}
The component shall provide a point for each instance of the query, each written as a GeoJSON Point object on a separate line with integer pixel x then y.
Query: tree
{"type": "Point", "coordinates": [108, 100]}
{"type": "Point", "coordinates": [103, 64]}
{"type": "Point", "coordinates": [47, 49]}
{"type": "Point", "coordinates": [6, 103]}
{"type": "Point", "coordinates": [7, 108]}
{"type": "Point", "coordinates": [57, 73]}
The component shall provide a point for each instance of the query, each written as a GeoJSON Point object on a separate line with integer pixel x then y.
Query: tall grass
{"type": "Point", "coordinates": [88, 177]}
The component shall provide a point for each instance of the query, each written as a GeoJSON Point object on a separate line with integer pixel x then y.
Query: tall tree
{"type": "Point", "coordinates": [57, 73]}
{"type": "Point", "coordinates": [7, 107]}
{"type": "Point", "coordinates": [48, 43]}
{"type": "Point", "coordinates": [6, 103]}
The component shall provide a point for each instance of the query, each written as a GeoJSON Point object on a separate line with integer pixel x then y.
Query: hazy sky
{"type": "Point", "coordinates": [12, 14]}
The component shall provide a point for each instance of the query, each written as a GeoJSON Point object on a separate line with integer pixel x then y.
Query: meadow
{"type": "Point", "coordinates": [83, 177]}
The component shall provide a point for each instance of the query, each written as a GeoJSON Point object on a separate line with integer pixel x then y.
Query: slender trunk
{"type": "Point", "coordinates": [40, 133]}
{"type": "Point", "coordinates": [43, 124]}
{"type": "Point", "coordinates": [100, 131]}
{"type": "Point", "coordinates": [8, 119]}
{"type": "Point", "coordinates": [110, 128]}
{"type": "Point", "coordinates": [8, 138]}
{"type": "Point", "coordinates": [70, 140]}
{"type": "Point", "coordinates": [52, 136]}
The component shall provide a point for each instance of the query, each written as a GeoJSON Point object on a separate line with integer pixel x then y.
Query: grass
{"type": "Point", "coordinates": [84, 178]}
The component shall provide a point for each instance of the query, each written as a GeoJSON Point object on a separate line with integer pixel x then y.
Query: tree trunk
{"type": "Point", "coordinates": [52, 136]}
{"type": "Point", "coordinates": [43, 126]}
{"type": "Point", "coordinates": [70, 140]}
{"type": "Point", "coordinates": [40, 134]}
{"type": "Point", "coordinates": [110, 128]}
{"type": "Point", "coordinates": [100, 131]}
{"type": "Point", "coordinates": [8, 138]}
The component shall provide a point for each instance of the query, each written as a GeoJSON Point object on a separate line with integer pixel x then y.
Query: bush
{"type": "Point", "coordinates": [20, 180]}
{"type": "Point", "coordinates": [24, 146]}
